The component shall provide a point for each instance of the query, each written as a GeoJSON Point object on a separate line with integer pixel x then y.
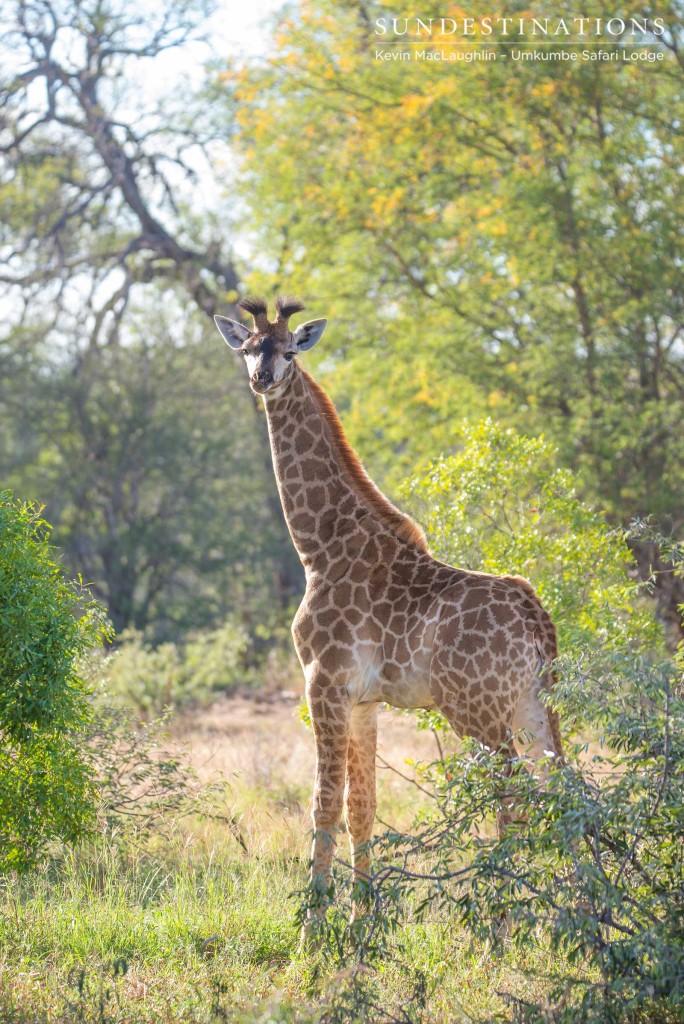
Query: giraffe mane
{"type": "Point", "coordinates": [401, 524]}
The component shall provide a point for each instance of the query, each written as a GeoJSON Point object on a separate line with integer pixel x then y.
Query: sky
{"type": "Point", "coordinates": [240, 28]}
{"type": "Point", "coordinates": [241, 23]}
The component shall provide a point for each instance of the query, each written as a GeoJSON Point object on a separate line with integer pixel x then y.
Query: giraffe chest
{"type": "Point", "coordinates": [398, 670]}
{"type": "Point", "coordinates": [376, 656]}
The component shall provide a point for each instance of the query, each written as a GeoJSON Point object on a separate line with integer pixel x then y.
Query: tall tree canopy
{"type": "Point", "coordinates": [486, 236]}
{"type": "Point", "coordinates": [517, 227]}
{"type": "Point", "coordinates": [147, 454]}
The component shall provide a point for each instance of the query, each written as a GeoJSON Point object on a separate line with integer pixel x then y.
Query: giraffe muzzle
{"type": "Point", "coordinates": [261, 381]}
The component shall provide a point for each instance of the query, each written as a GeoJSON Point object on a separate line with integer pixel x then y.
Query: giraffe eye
{"type": "Point", "coordinates": [289, 356]}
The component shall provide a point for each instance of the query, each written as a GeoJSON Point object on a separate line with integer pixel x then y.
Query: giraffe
{"type": "Point", "coordinates": [381, 620]}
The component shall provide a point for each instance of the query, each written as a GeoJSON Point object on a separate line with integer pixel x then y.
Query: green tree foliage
{"type": "Point", "coordinates": [503, 505]}
{"type": "Point", "coordinates": [115, 409]}
{"type": "Point", "coordinates": [485, 237]}
{"type": "Point", "coordinates": [148, 455]}
{"type": "Point", "coordinates": [46, 625]}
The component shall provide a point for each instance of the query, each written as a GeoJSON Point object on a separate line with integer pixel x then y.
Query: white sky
{"type": "Point", "coordinates": [240, 28]}
{"type": "Point", "coordinates": [243, 25]}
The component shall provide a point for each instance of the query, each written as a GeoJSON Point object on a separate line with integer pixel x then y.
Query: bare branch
{"type": "Point", "coordinates": [102, 171]}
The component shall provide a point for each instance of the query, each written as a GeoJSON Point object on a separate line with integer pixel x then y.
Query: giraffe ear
{"type": "Point", "coordinates": [306, 335]}
{"type": "Point", "coordinates": [231, 331]}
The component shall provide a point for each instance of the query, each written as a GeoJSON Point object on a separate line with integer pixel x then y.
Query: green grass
{"type": "Point", "coordinates": [181, 922]}
{"type": "Point", "coordinates": [192, 928]}
{"type": "Point", "coordinates": [197, 931]}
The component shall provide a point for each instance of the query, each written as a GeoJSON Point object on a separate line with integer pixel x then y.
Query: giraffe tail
{"type": "Point", "coordinates": [547, 644]}
{"type": "Point", "coordinates": [547, 640]}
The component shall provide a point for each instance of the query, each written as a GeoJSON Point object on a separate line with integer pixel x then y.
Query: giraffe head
{"type": "Point", "coordinates": [270, 347]}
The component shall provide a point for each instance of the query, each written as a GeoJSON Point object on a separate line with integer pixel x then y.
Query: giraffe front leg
{"type": "Point", "coordinates": [360, 797]}
{"type": "Point", "coordinates": [330, 716]}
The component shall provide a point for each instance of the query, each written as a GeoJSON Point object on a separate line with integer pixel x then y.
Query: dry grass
{"type": "Point", "coordinates": [262, 745]}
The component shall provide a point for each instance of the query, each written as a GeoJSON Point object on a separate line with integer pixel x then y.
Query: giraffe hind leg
{"type": "Point", "coordinates": [360, 797]}
{"type": "Point", "coordinates": [495, 734]}
{"type": "Point", "coordinates": [535, 725]}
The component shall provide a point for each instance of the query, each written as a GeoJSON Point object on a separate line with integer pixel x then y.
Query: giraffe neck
{"type": "Point", "coordinates": [330, 504]}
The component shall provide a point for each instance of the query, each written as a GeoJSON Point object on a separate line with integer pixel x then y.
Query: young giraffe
{"type": "Point", "coordinates": [381, 620]}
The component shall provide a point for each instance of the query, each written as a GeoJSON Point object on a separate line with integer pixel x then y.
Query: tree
{"type": "Point", "coordinates": [146, 455]}
{"type": "Point", "coordinates": [490, 237]}
{"type": "Point", "coordinates": [46, 624]}
{"type": "Point", "coordinates": [95, 181]}
{"type": "Point", "coordinates": [112, 424]}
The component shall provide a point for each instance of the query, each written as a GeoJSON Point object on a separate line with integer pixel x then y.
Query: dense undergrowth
{"type": "Point", "coordinates": [199, 931]}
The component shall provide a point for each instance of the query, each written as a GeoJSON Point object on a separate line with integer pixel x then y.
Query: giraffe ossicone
{"type": "Point", "coordinates": [382, 621]}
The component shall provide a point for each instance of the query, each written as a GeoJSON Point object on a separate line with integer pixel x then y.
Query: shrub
{"type": "Point", "coordinates": [593, 869]}
{"type": "Point", "coordinates": [47, 623]}
{"type": "Point", "coordinates": [150, 679]}
{"type": "Point", "coordinates": [501, 505]}
{"type": "Point", "coordinates": [144, 677]}
{"type": "Point", "coordinates": [143, 788]}
{"type": "Point", "coordinates": [215, 660]}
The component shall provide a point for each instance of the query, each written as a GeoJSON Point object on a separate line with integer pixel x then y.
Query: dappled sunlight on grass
{"type": "Point", "coordinates": [197, 922]}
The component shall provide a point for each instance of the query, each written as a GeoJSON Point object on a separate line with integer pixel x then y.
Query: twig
{"type": "Point", "coordinates": [401, 775]}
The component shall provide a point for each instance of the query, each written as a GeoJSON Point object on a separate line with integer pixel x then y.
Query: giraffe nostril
{"type": "Point", "coordinates": [266, 375]}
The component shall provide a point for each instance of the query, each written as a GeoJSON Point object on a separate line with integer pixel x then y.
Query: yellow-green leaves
{"type": "Point", "coordinates": [457, 221]}
{"type": "Point", "coordinates": [502, 505]}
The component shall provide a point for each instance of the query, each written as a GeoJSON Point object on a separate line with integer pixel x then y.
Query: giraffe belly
{"type": "Point", "coordinates": [410, 689]}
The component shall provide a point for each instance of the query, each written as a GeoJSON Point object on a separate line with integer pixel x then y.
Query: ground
{"type": "Point", "coordinates": [264, 747]}
{"type": "Point", "coordinates": [199, 928]}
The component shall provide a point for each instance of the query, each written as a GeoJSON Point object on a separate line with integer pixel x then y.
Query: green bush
{"type": "Point", "coordinates": [150, 679]}
{"type": "Point", "coordinates": [502, 505]}
{"type": "Point", "coordinates": [215, 660]}
{"type": "Point", "coordinates": [47, 623]}
{"type": "Point", "coordinates": [593, 869]}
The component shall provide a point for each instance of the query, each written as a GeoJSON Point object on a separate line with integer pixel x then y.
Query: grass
{"type": "Point", "coordinates": [178, 919]}
{"type": "Point", "coordinates": [194, 928]}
